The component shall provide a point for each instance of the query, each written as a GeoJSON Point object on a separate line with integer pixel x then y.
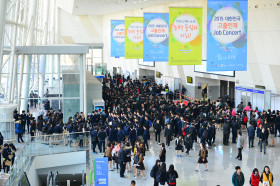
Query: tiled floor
{"type": "Point", "coordinates": [221, 164]}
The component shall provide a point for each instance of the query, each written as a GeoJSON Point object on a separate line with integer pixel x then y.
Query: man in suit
{"type": "Point", "coordinates": [157, 127]}
{"type": "Point", "coordinates": [168, 135]}
{"type": "Point", "coordinates": [121, 161]}
{"type": "Point", "coordinates": [251, 135]}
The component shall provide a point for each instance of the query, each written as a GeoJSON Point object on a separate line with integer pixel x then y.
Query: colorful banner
{"type": "Point", "coordinates": [133, 37]}
{"type": "Point", "coordinates": [101, 171]}
{"type": "Point", "coordinates": [185, 38]}
{"type": "Point", "coordinates": [117, 38]}
{"type": "Point", "coordinates": [156, 35]}
{"type": "Point", "coordinates": [227, 35]}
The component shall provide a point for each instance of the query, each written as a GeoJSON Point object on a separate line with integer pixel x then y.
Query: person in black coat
{"type": "Point", "coordinates": [157, 127]}
{"type": "Point", "coordinates": [162, 174]}
{"type": "Point", "coordinates": [210, 135]}
{"type": "Point", "coordinates": [32, 128]}
{"type": "Point", "coordinates": [226, 132]}
{"type": "Point", "coordinates": [121, 161]}
{"type": "Point", "coordinates": [162, 154]}
{"type": "Point", "coordinates": [251, 135]}
{"type": "Point", "coordinates": [1, 139]}
{"type": "Point", "coordinates": [262, 137]}
{"type": "Point", "coordinates": [94, 138]}
{"type": "Point", "coordinates": [168, 135]}
{"type": "Point", "coordinates": [155, 172]}
{"type": "Point", "coordinates": [5, 154]}
{"type": "Point", "coordinates": [235, 127]}
{"type": "Point", "coordinates": [146, 137]}
{"type": "Point", "coordinates": [23, 120]}
{"type": "Point", "coordinates": [132, 136]}
{"type": "Point", "coordinates": [187, 142]}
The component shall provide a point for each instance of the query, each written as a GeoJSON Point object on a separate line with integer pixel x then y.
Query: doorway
{"type": "Point", "coordinates": [223, 88]}
{"type": "Point", "coordinates": [114, 71]}
{"type": "Point", "coordinates": [204, 91]}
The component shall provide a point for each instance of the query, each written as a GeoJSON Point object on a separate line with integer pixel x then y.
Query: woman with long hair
{"type": "Point", "coordinates": [171, 176]}
{"type": "Point", "coordinates": [162, 174]}
{"type": "Point", "coordinates": [203, 154]}
{"type": "Point", "coordinates": [267, 177]}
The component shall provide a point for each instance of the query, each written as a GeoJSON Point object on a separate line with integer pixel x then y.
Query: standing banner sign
{"type": "Point", "coordinates": [133, 37]}
{"type": "Point", "coordinates": [101, 171]}
{"type": "Point", "coordinates": [156, 35]}
{"type": "Point", "coordinates": [117, 38]}
{"type": "Point", "coordinates": [185, 38]}
{"type": "Point", "coordinates": [227, 35]}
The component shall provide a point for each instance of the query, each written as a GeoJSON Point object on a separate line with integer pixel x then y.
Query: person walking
{"type": "Point", "coordinates": [19, 131]}
{"type": "Point", "coordinates": [155, 172]}
{"type": "Point", "coordinates": [255, 178]}
{"type": "Point", "coordinates": [140, 166]}
{"type": "Point", "coordinates": [94, 138]}
{"type": "Point", "coordinates": [267, 177]}
{"type": "Point", "coordinates": [171, 176]}
{"type": "Point", "coordinates": [203, 154]}
{"type": "Point", "coordinates": [162, 154]}
{"type": "Point", "coordinates": [262, 137]}
{"type": "Point", "coordinates": [187, 142]}
{"type": "Point", "coordinates": [251, 135]}
{"type": "Point", "coordinates": [121, 161]}
{"type": "Point", "coordinates": [162, 174]}
{"type": "Point", "coordinates": [101, 138]}
{"type": "Point", "coordinates": [167, 135]}
{"type": "Point", "coordinates": [109, 155]}
{"type": "Point", "coordinates": [179, 146]}
{"type": "Point", "coordinates": [157, 127]}
{"type": "Point", "coordinates": [146, 137]}
{"type": "Point", "coordinates": [226, 132]}
{"type": "Point", "coordinates": [240, 146]}
{"type": "Point", "coordinates": [7, 162]}
{"type": "Point", "coordinates": [238, 177]}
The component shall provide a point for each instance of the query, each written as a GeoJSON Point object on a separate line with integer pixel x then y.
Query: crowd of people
{"type": "Point", "coordinates": [132, 107]}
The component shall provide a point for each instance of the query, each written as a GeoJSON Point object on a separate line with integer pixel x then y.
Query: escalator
{"type": "Point", "coordinates": [53, 179]}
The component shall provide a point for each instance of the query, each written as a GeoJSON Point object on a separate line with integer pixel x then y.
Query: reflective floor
{"type": "Point", "coordinates": [221, 164]}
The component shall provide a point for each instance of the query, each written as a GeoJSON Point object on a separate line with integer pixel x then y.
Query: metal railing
{"type": "Point", "coordinates": [49, 144]}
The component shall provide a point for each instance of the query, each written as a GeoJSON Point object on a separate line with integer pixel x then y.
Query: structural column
{"type": "Point", "coordinates": [3, 9]}
{"type": "Point", "coordinates": [82, 83]}
{"type": "Point", "coordinates": [27, 66]}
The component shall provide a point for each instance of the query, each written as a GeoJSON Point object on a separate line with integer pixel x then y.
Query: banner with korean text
{"type": "Point", "coordinates": [185, 36]}
{"type": "Point", "coordinates": [227, 35]}
{"type": "Point", "coordinates": [117, 38]}
{"type": "Point", "coordinates": [156, 35]}
{"type": "Point", "coordinates": [133, 37]}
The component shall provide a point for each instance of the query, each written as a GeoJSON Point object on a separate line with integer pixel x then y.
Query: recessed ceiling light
{"type": "Point", "coordinates": [74, 180]}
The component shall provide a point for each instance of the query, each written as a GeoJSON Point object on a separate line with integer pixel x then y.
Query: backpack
{"type": "Point", "coordinates": [185, 131]}
{"type": "Point", "coordinates": [172, 179]}
{"type": "Point", "coordinates": [205, 134]}
{"type": "Point", "coordinates": [152, 173]}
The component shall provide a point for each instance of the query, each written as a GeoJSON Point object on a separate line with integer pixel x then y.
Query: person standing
{"type": "Point", "coordinates": [146, 137]}
{"type": "Point", "coordinates": [1, 139]}
{"type": "Point", "coordinates": [94, 139]}
{"type": "Point", "coordinates": [121, 161]}
{"type": "Point", "coordinates": [23, 120]}
{"type": "Point", "coordinates": [238, 177]}
{"type": "Point", "coordinates": [162, 154]}
{"type": "Point", "coordinates": [140, 166]}
{"type": "Point", "coordinates": [6, 160]}
{"type": "Point", "coordinates": [267, 177]}
{"type": "Point", "coordinates": [19, 131]}
{"type": "Point", "coordinates": [203, 154]}
{"type": "Point", "coordinates": [187, 142]}
{"type": "Point", "coordinates": [157, 127]}
{"type": "Point", "coordinates": [262, 137]}
{"type": "Point", "coordinates": [226, 132]}
{"type": "Point", "coordinates": [167, 135]}
{"type": "Point", "coordinates": [255, 178]}
{"type": "Point", "coordinates": [179, 146]}
{"type": "Point", "coordinates": [251, 135]}
{"type": "Point", "coordinates": [171, 176]}
{"type": "Point", "coordinates": [240, 146]}
{"type": "Point", "coordinates": [109, 155]}
{"type": "Point", "coordinates": [162, 174]}
{"type": "Point", "coordinates": [101, 138]}
{"type": "Point", "coordinates": [155, 172]}
{"type": "Point", "coordinates": [235, 128]}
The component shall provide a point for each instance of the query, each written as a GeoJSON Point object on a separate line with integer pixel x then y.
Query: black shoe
{"type": "Point", "coordinates": [237, 158]}
{"type": "Point", "coordinates": [253, 146]}
{"type": "Point", "coordinates": [240, 159]}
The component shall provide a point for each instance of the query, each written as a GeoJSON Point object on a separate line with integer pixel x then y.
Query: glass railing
{"type": "Point", "coordinates": [50, 144]}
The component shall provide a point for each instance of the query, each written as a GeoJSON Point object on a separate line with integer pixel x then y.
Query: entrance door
{"type": "Point", "coordinates": [223, 88]}
{"type": "Point", "coordinates": [204, 91]}
{"type": "Point", "coordinates": [231, 90]}
{"type": "Point", "coordinates": [114, 70]}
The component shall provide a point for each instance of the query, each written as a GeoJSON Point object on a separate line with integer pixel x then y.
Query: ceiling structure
{"type": "Point", "coordinates": [103, 7]}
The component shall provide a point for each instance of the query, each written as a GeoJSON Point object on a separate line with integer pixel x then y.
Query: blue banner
{"type": "Point", "coordinates": [156, 37]}
{"type": "Point", "coordinates": [227, 35]}
{"type": "Point", "coordinates": [101, 171]}
{"type": "Point", "coordinates": [117, 38]}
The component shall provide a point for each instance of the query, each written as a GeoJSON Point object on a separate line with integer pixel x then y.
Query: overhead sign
{"type": "Point", "coordinates": [133, 37]}
{"type": "Point", "coordinates": [156, 33]}
{"type": "Point", "coordinates": [227, 35]}
{"type": "Point", "coordinates": [117, 38]}
{"type": "Point", "coordinates": [185, 38]}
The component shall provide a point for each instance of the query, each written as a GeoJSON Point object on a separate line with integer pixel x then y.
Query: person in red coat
{"type": "Point", "coordinates": [255, 178]}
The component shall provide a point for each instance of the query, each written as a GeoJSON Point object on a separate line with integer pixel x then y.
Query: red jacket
{"type": "Point", "coordinates": [255, 180]}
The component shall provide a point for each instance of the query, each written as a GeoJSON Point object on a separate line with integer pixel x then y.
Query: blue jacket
{"type": "Point", "coordinates": [146, 134]}
{"type": "Point", "coordinates": [93, 135]}
{"type": "Point", "coordinates": [251, 131]}
{"type": "Point", "coordinates": [19, 128]}
{"type": "Point", "coordinates": [235, 181]}
{"type": "Point", "coordinates": [132, 135]}
{"type": "Point", "coordinates": [120, 135]}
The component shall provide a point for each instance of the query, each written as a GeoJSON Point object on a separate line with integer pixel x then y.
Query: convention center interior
{"type": "Point", "coordinates": [139, 92]}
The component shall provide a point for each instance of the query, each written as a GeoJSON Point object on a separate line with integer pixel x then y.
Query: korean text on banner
{"type": "Point", "coordinates": [156, 35]}
{"type": "Point", "coordinates": [227, 35]}
{"type": "Point", "coordinates": [117, 38]}
{"type": "Point", "coordinates": [101, 171]}
{"type": "Point", "coordinates": [185, 36]}
{"type": "Point", "coordinates": [133, 37]}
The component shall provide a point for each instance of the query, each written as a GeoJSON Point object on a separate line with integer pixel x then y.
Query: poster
{"type": "Point", "coordinates": [101, 171]}
{"type": "Point", "coordinates": [227, 35]}
{"type": "Point", "coordinates": [156, 35]}
{"type": "Point", "coordinates": [133, 37]}
{"type": "Point", "coordinates": [117, 38]}
{"type": "Point", "coordinates": [185, 36]}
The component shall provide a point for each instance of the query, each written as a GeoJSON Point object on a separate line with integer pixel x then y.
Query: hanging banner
{"type": "Point", "coordinates": [117, 38]}
{"type": "Point", "coordinates": [185, 38]}
{"type": "Point", "coordinates": [227, 35]}
{"type": "Point", "coordinates": [101, 171]}
{"type": "Point", "coordinates": [156, 35]}
{"type": "Point", "coordinates": [133, 37]}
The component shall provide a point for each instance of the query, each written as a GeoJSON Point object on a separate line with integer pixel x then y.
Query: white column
{"type": "Point", "coordinates": [85, 83]}
{"type": "Point", "coordinates": [27, 66]}
{"type": "Point", "coordinates": [3, 8]}
{"type": "Point", "coordinates": [44, 57]}
{"type": "Point", "coordinates": [53, 40]}
{"type": "Point", "coordinates": [81, 83]}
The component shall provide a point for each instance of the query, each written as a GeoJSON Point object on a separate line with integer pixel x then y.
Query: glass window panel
{"type": "Point", "coordinates": [97, 53]}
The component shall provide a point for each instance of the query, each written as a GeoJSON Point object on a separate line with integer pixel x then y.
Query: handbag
{"type": "Point", "coordinates": [266, 183]}
{"type": "Point", "coordinates": [8, 163]}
